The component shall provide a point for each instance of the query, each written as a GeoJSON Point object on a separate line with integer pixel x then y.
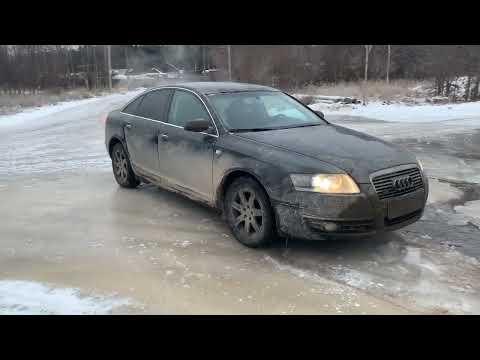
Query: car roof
{"type": "Point", "coordinates": [215, 87]}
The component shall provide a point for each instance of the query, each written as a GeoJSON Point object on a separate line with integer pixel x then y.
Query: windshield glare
{"type": "Point", "coordinates": [262, 110]}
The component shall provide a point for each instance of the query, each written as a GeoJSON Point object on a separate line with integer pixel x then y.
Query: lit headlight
{"type": "Point", "coordinates": [325, 183]}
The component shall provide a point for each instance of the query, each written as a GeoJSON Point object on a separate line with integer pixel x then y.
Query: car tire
{"type": "Point", "coordinates": [122, 169]}
{"type": "Point", "coordinates": [250, 218]}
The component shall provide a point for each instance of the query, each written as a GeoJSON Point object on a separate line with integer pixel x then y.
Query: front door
{"type": "Point", "coordinates": [186, 158]}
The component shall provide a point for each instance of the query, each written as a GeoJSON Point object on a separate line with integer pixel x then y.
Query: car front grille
{"type": "Point", "coordinates": [398, 183]}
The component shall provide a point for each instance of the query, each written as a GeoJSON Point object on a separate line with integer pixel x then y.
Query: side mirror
{"type": "Point", "coordinates": [321, 114]}
{"type": "Point", "coordinates": [198, 125]}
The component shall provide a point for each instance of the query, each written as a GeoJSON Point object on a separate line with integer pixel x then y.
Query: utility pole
{"type": "Point", "coordinates": [368, 48]}
{"type": "Point", "coordinates": [127, 64]}
{"type": "Point", "coordinates": [388, 64]}
{"type": "Point", "coordinates": [109, 67]}
{"type": "Point", "coordinates": [229, 62]}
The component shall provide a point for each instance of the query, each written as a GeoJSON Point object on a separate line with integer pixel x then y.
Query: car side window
{"type": "Point", "coordinates": [154, 105]}
{"type": "Point", "coordinates": [186, 107]}
{"type": "Point", "coordinates": [133, 106]}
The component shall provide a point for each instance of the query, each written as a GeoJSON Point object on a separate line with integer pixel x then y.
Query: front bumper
{"type": "Point", "coordinates": [318, 216]}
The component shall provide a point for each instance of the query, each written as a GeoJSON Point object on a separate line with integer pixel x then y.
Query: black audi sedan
{"type": "Point", "coordinates": [270, 164]}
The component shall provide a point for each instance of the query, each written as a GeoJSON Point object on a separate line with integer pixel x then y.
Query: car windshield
{"type": "Point", "coordinates": [262, 110]}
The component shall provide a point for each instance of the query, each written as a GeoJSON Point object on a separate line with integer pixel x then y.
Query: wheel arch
{"type": "Point", "coordinates": [114, 140]}
{"type": "Point", "coordinates": [229, 177]}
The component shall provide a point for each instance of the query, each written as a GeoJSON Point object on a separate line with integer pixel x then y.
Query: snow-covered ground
{"type": "Point", "coordinates": [398, 112]}
{"type": "Point", "coordinates": [471, 210]}
{"type": "Point", "coordinates": [33, 298]}
{"type": "Point", "coordinates": [36, 114]}
{"type": "Point", "coordinates": [64, 217]}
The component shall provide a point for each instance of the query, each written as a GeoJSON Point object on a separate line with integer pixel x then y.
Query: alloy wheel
{"type": "Point", "coordinates": [121, 165]}
{"type": "Point", "coordinates": [248, 212]}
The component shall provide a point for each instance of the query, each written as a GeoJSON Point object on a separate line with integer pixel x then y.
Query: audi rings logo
{"type": "Point", "coordinates": [402, 183]}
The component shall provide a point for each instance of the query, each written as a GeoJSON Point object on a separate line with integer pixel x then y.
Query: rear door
{"type": "Point", "coordinates": [142, 129]}
{"type": "Point", "coordinates": [186, 158]}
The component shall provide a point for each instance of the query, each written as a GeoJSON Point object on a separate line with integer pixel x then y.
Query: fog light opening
{"type": "Point", "coordinates": [328, 226]}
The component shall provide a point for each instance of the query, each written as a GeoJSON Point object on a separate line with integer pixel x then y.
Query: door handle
{"type": "Point", "coordinates": [128, 126]}
{"type": "Point", "coordinates": [164, 137]}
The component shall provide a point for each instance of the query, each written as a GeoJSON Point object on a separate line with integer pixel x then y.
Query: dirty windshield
{"type": "Point", "coordinates": [262, 110]}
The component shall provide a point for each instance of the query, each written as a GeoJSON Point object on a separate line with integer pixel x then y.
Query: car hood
{"type": "Point", "coordinates": [354, 152]}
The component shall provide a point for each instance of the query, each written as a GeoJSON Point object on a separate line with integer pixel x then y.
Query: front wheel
{"type": "Point", "coordinates": [248, 213]}
{"type": "Point", "coordinates": [122, 169]}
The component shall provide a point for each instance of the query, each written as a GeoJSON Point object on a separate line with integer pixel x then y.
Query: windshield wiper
{"type": "Point", "coordinates": [275, 128]}
{"type": "Point", "coordinates": [303, 125]}
{"type": "Point", "coordinates": [251, 130]}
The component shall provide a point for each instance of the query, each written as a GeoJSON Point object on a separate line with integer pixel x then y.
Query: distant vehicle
{"type": "Point", "coordinates": [119, 75]}
{"type": "Point", "coordinates": [215, 74]}
{"type": "Point", "coordinates": [176, 74]}
{"type": "Point", "coordinates": [270, 164]}
{"type": "Point", "coordinates": [208, 71]}
{"type": "Point", "coordinates": [120, 71]}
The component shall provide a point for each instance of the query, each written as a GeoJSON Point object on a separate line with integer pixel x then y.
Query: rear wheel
{"type": "Point", "coordinates": [122, 169]}
{"type": "Point", "coordinates": [248, 213]}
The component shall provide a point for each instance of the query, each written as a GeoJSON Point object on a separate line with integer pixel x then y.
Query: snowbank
{"type": "Point", "coordinates": [471, 210]}
{"type": "Point", "coordinates": [32, 298]}
{"type": "Point", "coordinates": [404, 113]}
{"type": "Point", "coordinates": [442, 192]}
{"type": "Point", "coordinates": [43, 111]}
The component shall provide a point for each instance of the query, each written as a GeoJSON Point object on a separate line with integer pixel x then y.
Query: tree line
{"type": "Point", "coordinates": [37, 67]}
{"type": "Point", "coordinates": [29, 68]}
{"type": "Point", "coordinates": [298, 65]}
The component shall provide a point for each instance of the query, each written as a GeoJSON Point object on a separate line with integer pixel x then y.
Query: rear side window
{"type": "Point", "coordinates": [132, 107]}
{"type": "Point", "coordinates": [154, 105]}
{"type": "Point", "coordinates": [186, 107]}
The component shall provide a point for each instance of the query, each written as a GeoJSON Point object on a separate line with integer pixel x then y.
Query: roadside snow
{"type": "Point", "coordinates": [471, 210]}
{"type": "Point", "coordinates": [404, 113]}
{"type": "Point", "coordinates": [32, 298]}
{"type": "Point", "coordinates": [442, 192]}
{"type": "Point", "coordinates": [43, 111]}
{"type": "Point", "coordinates": [26, 115]}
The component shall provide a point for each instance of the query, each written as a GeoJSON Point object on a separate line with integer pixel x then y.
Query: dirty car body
{"type": "Point", "coordinates": [392, 188]}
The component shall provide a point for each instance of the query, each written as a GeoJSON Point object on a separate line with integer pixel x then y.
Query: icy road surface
{"type": "Point", "coordinates": [72, 241]}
